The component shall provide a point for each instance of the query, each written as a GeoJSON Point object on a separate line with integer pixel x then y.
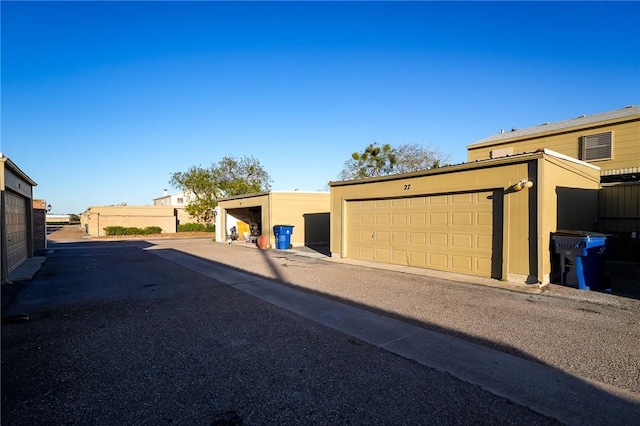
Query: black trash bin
{"type": "Point", "coordinates": [283, 236]}
{"type": "Point", "coordinates": [582, 258]}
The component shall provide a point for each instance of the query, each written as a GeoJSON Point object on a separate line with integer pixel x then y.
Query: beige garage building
{"type": "Point", "coordinates": [16, 216]}
{"type": "Point", "coordinates": [491, 218]}
{"type": "Point", "coordinates": [95, 219]}
{"type": "Point", "coordinates": [308, 212]}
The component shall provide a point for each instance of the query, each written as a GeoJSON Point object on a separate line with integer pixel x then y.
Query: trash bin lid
{"type": "Point", "coordinates": [576, 233]}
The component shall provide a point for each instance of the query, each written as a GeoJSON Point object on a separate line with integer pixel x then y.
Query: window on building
{"type": "Point", "coordinates": [596, 147]}
{"type": "Point", "coordinates": [180, 200]}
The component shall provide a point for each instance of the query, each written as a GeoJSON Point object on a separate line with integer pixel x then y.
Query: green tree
{"type": "Point", "coordinates": [376, 160]}
{"type": "Point", "coordinates": [203, 187]}
{"type": "Point", "coordinates": [241, 176]}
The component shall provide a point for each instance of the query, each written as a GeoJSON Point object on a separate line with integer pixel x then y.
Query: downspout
{"type": "Point", "coordinates": [539, 202]}
{"type": "Point", "coordinates": [223, 224]}
{"type": "Point", "coordinates": [270, 226]}
{"type": "Point", "coordinates": [344, 210]}
{"type": "Point", "coordinates": [30, 227]}
{"type": "Point", "coordinates": [506, 235]}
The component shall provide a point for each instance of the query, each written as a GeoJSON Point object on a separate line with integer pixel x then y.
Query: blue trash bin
{"type": "Point", "coordinates": [582, 258]}
{"type": "Point", "coordinates": [283, 236]}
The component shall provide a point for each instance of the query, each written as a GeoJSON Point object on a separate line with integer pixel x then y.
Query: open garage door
{"type": "Point", "coordinates": [247, 221]}
{"type": "Point", "coordinates": [16, 221]}
{"type": "Point", "coordinates": [451, 232]}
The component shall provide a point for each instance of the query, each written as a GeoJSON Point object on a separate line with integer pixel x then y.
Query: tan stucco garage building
{"type": "Point", "coordinates": [479, 218]}
{"type": "Point", "coordinates": [16, 216]}
{"type": "Point", "coordinates": [95, 219]}
{"type": "Point", "coordinates": [308, 212]}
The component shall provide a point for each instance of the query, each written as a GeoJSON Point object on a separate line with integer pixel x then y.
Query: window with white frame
{"type": "Point", "coordinates": [596, 147]}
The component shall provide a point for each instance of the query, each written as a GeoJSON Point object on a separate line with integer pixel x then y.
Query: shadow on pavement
{"type": "Point", "coordinates": [601, 397]}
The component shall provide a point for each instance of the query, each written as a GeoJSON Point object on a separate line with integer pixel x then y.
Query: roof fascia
{"type": "Point", "coordinates": [479, 164]}
{"type": "Point", "coordinates": [545, 133]}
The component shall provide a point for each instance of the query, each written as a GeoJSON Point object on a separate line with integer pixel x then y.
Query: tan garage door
{"type": "Point", "coordinates": [16, 219]}
{"type": "Point", "coordinates": [444, 232]}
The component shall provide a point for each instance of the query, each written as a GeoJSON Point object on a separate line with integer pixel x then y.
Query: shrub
{"type": "Point", "coordinates": [121, 230]}
{"type": "Point", "coordinates": [133, 231]}
{"type": "Point", "coordinates": [114, 230]}
{"type": "Point", "coordinates": [196, 227]}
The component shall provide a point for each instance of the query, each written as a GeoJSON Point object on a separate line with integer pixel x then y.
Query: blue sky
{"type": "Point", "coordinates": [102, 101]}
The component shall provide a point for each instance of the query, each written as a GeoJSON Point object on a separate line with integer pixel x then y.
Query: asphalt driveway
{"type": "Point", "coordinates": [187, 331]}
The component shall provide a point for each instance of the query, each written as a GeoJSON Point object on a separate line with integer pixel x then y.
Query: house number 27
{"type": "Point", "coordinates": [408, 186]}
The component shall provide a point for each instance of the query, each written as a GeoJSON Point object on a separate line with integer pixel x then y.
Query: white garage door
{"type": "Point", "coordinates": [444, 232]}
{"type": "Point", "coordinates": [16, 220]}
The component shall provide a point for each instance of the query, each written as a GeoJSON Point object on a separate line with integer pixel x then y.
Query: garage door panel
{"type": "Point", "coordinates": [399, 256]}
{"type": "Point", "coordinates": [382, 237]}
{"type": "Point", "coordinates": [367, 219]}
{"type": "Point", "coordinates": [383, 254]}
{"type": "Point", "coordinates": [401, 238]}
{"type": "Point", "coordinates": [438, 219]}
{"type": "Point", "coordinates": [461, 263]}
{"type": "Point", "coordinates": [418, 258]}
{"type": "Point", "coordinates": [16, 229]}
{"type": "Point", "coordinates": [438, 240]}
{"type": "Point", "coordinates": [418, 238]}
{"type": "Point", "coordinates": [438, 261]}
{"type": "Point", "coordinates": [483, 266]}
{"type": "Point", "coordinates": [465, 199]}
{"type": "Point", "coordinates": [354, 236]}
{"type": "Point", "coordinates": [462, 241]}
{"type": "Point", "coordinates": [354, 219]}
{"type": "Point", "coordinates": [367, 253]}
{"type": "Point", "coordinates": [484, 242]}
{"type": "Point", "coordinates": [437, 200]}
{"type": "Point", "coordinates": [445, 232]}
{"type": "Point", "coordinates": [484, 219]}
{"type": "Point", "coordinates": [462, 219]}
{"type": "Point", "coordinates": [399, 218]}
{"type": "Point", "coordinates": [417, 219]}
{"type": "Point", "coordinates": [382, 219]}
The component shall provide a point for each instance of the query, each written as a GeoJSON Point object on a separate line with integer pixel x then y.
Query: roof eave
{"type": "Point", "coordinates": [16, 170]}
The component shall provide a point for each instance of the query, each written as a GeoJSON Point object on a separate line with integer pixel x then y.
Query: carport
{"type": "Point", "coordinates": [491, 218]}
{"type": "Point", "coordinates": [308, 212]}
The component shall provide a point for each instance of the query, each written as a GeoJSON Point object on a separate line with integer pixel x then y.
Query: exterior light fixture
{"type": "Point", "coordinates": [49, 208]}
{"type": "Point", "coordinates": [522, 185]}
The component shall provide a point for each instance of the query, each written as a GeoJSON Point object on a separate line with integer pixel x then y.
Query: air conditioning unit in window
{"type": "Point", "coordinates": [596, 147]}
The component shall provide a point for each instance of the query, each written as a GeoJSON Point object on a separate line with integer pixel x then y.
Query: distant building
{"type": "Point", "coordinates": [58, 218]}
{"type": "Point", "coordinates": [179, 201]}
